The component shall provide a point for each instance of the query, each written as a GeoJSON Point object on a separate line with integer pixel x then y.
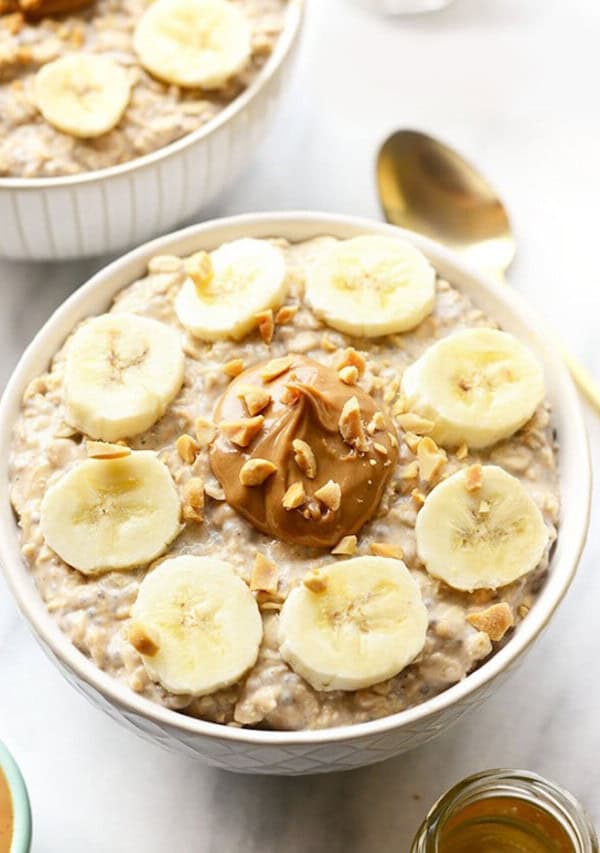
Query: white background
{"type": "Point", "coordinates": [514, 85]}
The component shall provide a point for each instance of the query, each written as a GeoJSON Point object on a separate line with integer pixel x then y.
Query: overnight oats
{"type": "Point", "coordinates": [87, 85]}
{"type": "Point", "coordinates": [288, 486]}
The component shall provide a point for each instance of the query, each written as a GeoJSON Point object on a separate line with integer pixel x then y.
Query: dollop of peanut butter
{"type": "Point", "coordinates": [333, 450]}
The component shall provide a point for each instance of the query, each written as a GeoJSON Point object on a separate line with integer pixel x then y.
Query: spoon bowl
{"type": "Point", "coordinates": [427, 187]}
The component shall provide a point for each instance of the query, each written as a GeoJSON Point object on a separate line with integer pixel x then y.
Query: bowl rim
{"type": "Point", "coordinates": [294, 16]}
{"type": "Point", "coordinates": [21, 831]}
{"type": "Point", "coordinates": [279, 224]}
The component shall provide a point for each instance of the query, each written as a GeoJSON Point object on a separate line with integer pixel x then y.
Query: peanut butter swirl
{"type": "Point", "coordinates": [300, 454]}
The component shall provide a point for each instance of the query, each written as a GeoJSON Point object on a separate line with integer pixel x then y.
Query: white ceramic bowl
{"type": "Point", "coordinates": [109, 210]}
{"type": "Point", "coordinates": [347, 746]}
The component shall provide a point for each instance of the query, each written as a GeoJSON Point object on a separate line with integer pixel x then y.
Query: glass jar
{"type": "Point", "coordinates": [543, 808]}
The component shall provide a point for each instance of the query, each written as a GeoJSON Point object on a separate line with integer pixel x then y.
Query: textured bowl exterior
{"type": "Point", "coordinates": [344, 747]}
{"type": "Point", "coordinates": [112, 209]}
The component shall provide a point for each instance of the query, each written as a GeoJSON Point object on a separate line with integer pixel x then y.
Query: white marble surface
{"type": "Point", "coordinates": [513, 83]}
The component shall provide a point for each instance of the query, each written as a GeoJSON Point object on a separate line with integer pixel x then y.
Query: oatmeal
{"type": "Point", "coordinates": [357, 507]}
{"type": "Point", "coordinates": [78, 93]}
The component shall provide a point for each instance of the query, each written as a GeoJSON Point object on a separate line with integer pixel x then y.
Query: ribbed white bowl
{"type": "Point", "coordinates": [347, 746]}
{"type": "Point", "coordinates": [112, 209]}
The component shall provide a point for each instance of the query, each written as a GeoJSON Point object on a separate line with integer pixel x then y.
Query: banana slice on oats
{"type": "Point", "coordinates": [479, 529]}
{"type": "Point", "coordinates": [245, 277]}
{"type": "Point", "coordinates": [353, 623]}
{"type": "Point", "coordinates": [196, 625]}
{"type": "Point", "coordinates": [82, 94]}
{"type": "Point", "coordinates": [193, 42]}
{"type": "Point", "coordinates": [478, 386]}
{"type": "Point", "coordinates": [107, 514]}
{"type": "Point", "coordinates": [371, 286]}
{"type": "Point", "coordinates": [121, 373]}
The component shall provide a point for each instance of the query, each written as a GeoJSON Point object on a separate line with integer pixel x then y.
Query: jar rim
{"type": "Point", "coordinates": [559, 802]}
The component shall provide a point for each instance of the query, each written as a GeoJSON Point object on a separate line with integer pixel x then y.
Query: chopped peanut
{"type": "Point", "coordinates": [330, 494]}
{"type": "Point", "coordinates": [243, 431]}
{"type": "Point", "coordinates": [415, 423]}
{"type": "Point", "coordinates": [351, 358]}
{"type": "Point", "coordinates": [200, 269]}
{"type": "Point", "coordinates": [305, 458]}
{"type": "Point", "coordinates": [380, 448]}
{"type": "Point", "coordinates": [276, 367]}
{"type": "Point", "coordinates": [495, 621]}
{"type": "Point", "coordinates": [391, 391]}
{"type": "Point", "coordinates": [351, 425]}
{"type": "Point", "coordinates": [139, 639]}
{"type": "Point", "coordinates": [266, 325]}
{"type": "Point", "coordinates": [462, 452]}
{"type": "Point", "coordinates": [387, 549]}
{"type": "Point", "coordinates": [286, 314]}
{"type": "Point", "coordinates": [431, 459]}
{"type": "Point", "coordinates": [412, 441]}
{"type": "Point", "coordinates": [473, 478]}
{"type": "Point", "coordinates": [349, 375]}
{"type": "Point", "coordinates": [418, 497]}
{"type": "Point", "coordinates": [314, 582]}
{"type": "Point", "coordinates": [410, 471]}
{"type": "Point", "coordinates": [345, 547]}
{"type": "Point", "coordinates": [264, 575]}
{"type": "Point", "coordinates": [104, 450]}
{"type": "Point", "coordinates": [377, 423]}
{"type": "Point", "coordinates": [400, 406]}
{"type": "Point", "coordinates": [254, 472]}
{"type": "Point", "coordinates": [484, 508]}
{"type": "Point", "coordinates": [234, 367]}
{"type": "Point", "coordinates": [187, 448]}
{"type": "Point", "coordinates": [205, 432]}
{"type": "Point", "coordinates": [255, 398]}
{"type": "Point", "coordinates": [327, 344]}
{"type": "Point", "coordinates": [193, 500]}
{"type": "Point", "coordinates": [294, 497]}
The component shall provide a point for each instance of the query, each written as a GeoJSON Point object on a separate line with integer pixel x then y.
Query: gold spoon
{"type": "Point", "coordinates": [428, 188]}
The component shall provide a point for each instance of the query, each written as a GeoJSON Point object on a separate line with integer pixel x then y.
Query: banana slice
{"type": "Point", "coordinates": [248, 276]}
{"type": "Point", "coordinates": [193, 42]}
{"type": "Point", "coordinates": [82, 94]}
{"type": "Point", "coordinates": [478, 386]}
{"type": "Point", "coordinates": [483, 535]}
{"type": "Point", "coordinates": [121, 373]}
{"type": "Point", "coordinates": [353, 623]}
{"type": "Point", "coordinates": [202, 623]}
{"type": "Point", "coordinates": [111, 513]}
{"type": "Point", "coordinates": [371, 286]}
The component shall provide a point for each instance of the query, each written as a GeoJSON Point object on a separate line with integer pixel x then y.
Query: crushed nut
{"type": "Point", "coordinates": [330, 494]}
{"type": "Point", "coordinates": [205, 432]}
{"type": "Point", "coordinates": [411, 422]}
{"type": "Point", "coordinates": [314, 582]}
{"type": "Point", "coordinates": [276, 367]}
{"type": "Point", "coordinates": [294, 497]}
{"type": "Point", "coordinates": [264, 575]}
{"type": "Point", "coordinates": [418, 497]}
{"type": "Point", "coordinates": [214, 490]}
{"type": "Point", "coordinates": [391, 391]}
{"type": "Point", "coordinates": [431, 459]}
{"type": "Point", "coordinates": [286, 314]}
{"type": "Point", "coordinates": [255, 398]}
{"type": "Point", "coordinates": [234, 367]}
{"type": "Point", "coordinates": [346, 546]}
{"type": "Point", "coordinates": [327, 344]}
{"type": "Point", "coordinates": [380, 448]}
{"type": "Point", "coordinates": [473, 478]}
{"type": "Point", "coordinates": [104, 450]}
{"type": "Point", "coordinates": [412, 441]}
{"type": "Point", "coordinates": [139, 639]}
{"type": "Point", "coordinates": [410, 471]}
{"type": "Point", "coordinates": [484, 508]}
{"type": "Point", "coordinates": [351, 358]}
{"type": "Point", "coordinates": [349, 375]}
{"type": "Point", "coordinates": [387, 549]}
{"type": "Point", "coordinates": [351, 425]}
{"type": "Point", "coordinates": [200, 269]}
{"type": "Point", "coordinates": [305, 458]}
{"type": "Point", "coordinates": [187, 448]}
{"type": "Point", "coordinates": [462, 452]}
{"type": "Point", "coordinates": [254, 472]}
{"type": "Point", "coordinates": [193, 500]}
{"type": "Point", "coordinates": [495, 621]}
{"type": "Point", "coordinates": [266, 325]}
{"type": "Point", "coordinates": [377, 423]}
{"type": "Point", "coordinates": [243, 431]}
{"type": "Point", "coordinates": [400, 406]}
